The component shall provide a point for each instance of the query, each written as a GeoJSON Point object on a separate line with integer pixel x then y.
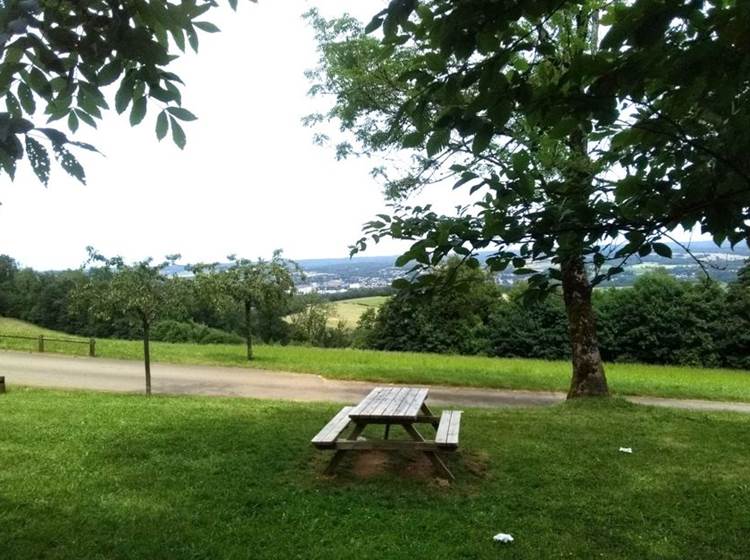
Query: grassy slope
{"type": "Point", "coordinates": [473, 371]}
{"type": "Point", "coordinates": [350, 310]}
{"type": "Point", "coordinates": [104, 476]}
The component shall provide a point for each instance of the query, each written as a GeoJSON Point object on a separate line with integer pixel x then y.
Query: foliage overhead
{"type": "Point", "coordinates": [579, 128]}
{"type": "Point", "coordinates": [58, 57]}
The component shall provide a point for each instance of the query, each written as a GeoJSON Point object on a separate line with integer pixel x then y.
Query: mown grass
{"type": "Point", "coordinates": [127, 477]}
{"type": "Point", "coordinates": [350, 310]}
{"type": "Point", "coordinates": [404, 367]}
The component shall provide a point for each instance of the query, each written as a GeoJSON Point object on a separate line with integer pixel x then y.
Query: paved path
{"type": "Point", "coordinates": [69, 372]}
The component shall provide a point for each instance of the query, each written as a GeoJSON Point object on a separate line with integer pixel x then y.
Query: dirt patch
{"type": "Point", "coordinates": [367, 464]}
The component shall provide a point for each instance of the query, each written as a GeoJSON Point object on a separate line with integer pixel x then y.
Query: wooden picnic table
{"type": "Point", "coordinates": [388, 406]}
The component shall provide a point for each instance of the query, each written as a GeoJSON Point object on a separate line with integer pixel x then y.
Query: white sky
{"type": "Point", "coordinates": [249, 181]}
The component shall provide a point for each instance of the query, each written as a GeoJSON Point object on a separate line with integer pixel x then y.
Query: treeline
{"type": "Point", "coordinates": [194, 314]}
{"type": "Point", "coordinates": [659, 320]}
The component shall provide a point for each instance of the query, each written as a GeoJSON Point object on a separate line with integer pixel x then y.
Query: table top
{"type": "Point", "coordinates": [398, 403]}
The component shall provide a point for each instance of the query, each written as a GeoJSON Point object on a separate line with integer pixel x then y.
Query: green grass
{"type": "Point", "coordinates": [350, 310]}
{"type": "Point", "coordinates": [403, 367]}
{"type": "Point", "coordinates": [127, 477]}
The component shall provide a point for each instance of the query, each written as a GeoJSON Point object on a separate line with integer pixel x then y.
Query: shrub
{"type": "Point", "coordinates": [177, 331]}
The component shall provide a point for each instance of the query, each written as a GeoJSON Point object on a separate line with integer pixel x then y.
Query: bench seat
{"type": "Point", "coordinates": [448, 428]}
{"type": "Point", "coordinates": [326, 438]}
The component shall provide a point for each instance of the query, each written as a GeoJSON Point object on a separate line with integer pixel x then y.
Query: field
{"type": "Point", "coordinates": [350, 310]}
{"type": "Point", "coordinates": [126, 477]}
{"type": "Point", "coordinates": [472, 371]}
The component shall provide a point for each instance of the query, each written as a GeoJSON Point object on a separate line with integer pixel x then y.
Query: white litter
{"type": "Point", "coordinates": [626, 449]}
{"type": "Point", "coordinates": [503, 538]}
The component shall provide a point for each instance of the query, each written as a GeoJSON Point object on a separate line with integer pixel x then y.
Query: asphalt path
{"type": "Point", "coordinates": [101, 374]}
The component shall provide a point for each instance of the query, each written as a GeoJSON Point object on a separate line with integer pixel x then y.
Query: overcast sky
{"type": "Point", "coordinates": [249, 181]}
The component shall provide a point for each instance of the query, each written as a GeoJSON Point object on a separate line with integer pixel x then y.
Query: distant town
{"type": "Point", "coordinates": [330, 276]}
{"type": "Point", "coordinates": [334, 276]}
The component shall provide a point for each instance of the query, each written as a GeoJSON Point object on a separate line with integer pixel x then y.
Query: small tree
{"type": "Point", "coordinates": [139, 292]}
{"type": "Point", "coordinates": [254, 285]}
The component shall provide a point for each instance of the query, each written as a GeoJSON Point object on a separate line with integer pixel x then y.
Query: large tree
{"type": "Point", "coordinates": [584, 131]}
{"type": "Point", "coordinates": [58, 57]}
{"type": "Point", "coordinates": [140, 292]}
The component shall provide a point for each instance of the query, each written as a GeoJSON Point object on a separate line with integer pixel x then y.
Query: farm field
{"type": "Point", "coordinates": [415, 368]}
{"type": "Point", "coordinates": [126, 477]}
{"type": "Point", "coordinates": [350, 310]}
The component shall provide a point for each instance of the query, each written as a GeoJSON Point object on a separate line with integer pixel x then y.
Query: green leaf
{"type": "Point", "coordinates": [26, 97]}
{"type": "Point", "coordinates": [39, 159]}
{"type": "Point", "coordinates": [662, 249]}
{"type": "Point", "coordinates": [138, 111]}
{"type": "Point", "coordinates": [192, 38]}
{"type": "Point", "coordinates": [72, 122]}
{"type": "Point", "coordinates": [85, 117]}
{"type": "Point", "coordinates": [178, 135]}
{"type": "Point", "coordinates": [374, 24]}
{"type": "Point", "coordinates": [412, 140]}
{"type": "Point", "coordinates": [69, 163]}
{"type": "Point", "coordinates": [14, 108]}
{"type": "Point", "coordinates": [162, 125]}
{"type": "Point", "coordinates": [39, 83]}
{"type": "Point", "coordinates": [437, 141]}
{"type": "Point", "coordinates": [482, 139]}
{"type": "Point", "coordinates": [109, 73]}
{"type": "Point", "coordinates": [182, 114]}
{"type": "Point", "coordinates": [206, 26]}
{"type": "Point", "coordinates": [123, 96]}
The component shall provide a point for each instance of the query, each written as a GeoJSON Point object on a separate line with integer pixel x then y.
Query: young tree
{"type": "Point", "coordinates": [56, 58]}
{"type": "Point", "coordinates": [254, 285]}
{"type": "Point", "coordinates": [577, 150]}
{"type": "Point", "coordinates": [139, 292]}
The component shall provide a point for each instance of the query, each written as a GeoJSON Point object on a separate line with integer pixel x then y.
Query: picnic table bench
{"type": "Point", "coordinates": [401, 406]}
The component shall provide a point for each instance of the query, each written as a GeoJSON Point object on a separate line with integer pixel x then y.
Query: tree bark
{"type": "Point", "coordinates": [147, 356]}
{"type": "Point", "coordinates": [248, 330]}
{"type": "Point", "coordinates": [588, 370]}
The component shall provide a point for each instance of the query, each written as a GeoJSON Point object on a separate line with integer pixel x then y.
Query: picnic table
{"type": "Point", "coordinates": [388, 406]}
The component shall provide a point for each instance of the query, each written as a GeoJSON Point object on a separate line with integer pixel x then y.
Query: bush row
{"type": "Point", "coordinates": [659, 320]}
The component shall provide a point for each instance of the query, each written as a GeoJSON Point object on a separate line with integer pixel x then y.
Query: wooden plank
{"type": "Point", "coordinates": [365, 404]}
{"type": "Point", "coordinates": [398, 403]}
{"type": "Point", "coordinates": [437, 462]}
{"type": "Point", "coordinates": [385, 400]}
{"type": "Point", "coordinates": [372, 402]}
{"type": "Point", "coordinates": [448, 429]}
{"type": "Point", "coordinates": [327, 436]}
{"type": "Point", "coordinates": [395, 401]}
{"type": "Point", "coordinates": [411, 407]}
{"type": "Point", "coordinates": [385, 445]}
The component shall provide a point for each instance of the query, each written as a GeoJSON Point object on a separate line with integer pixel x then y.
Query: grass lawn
{"type": "Point", "coordinates": [87, 475]}
{"type": "Point", "coordinates": [404, 367]}
{"type": "Point", "coordinates": [350, 310]}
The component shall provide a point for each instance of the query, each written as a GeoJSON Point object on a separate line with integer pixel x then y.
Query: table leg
{"type": "Point", "coordinates": [336, 459]}
{"type": "Point", "coordinates": [437, 462]}
{"type": "Point", "coordinates": [427, 412]}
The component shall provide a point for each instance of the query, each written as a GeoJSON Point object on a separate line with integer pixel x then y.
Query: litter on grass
{"type": "Point", "coordinates": [503, 538]}
{"type": "Point", "coordinates": [626, 449]}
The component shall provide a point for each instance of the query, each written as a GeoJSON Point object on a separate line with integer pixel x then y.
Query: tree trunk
{"type": "Point", "coordinates": [147, 356]}
{"type": "Point", "coordinates": [588, 370]}
{"type": "Point", "coordinates": [248, 330]}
